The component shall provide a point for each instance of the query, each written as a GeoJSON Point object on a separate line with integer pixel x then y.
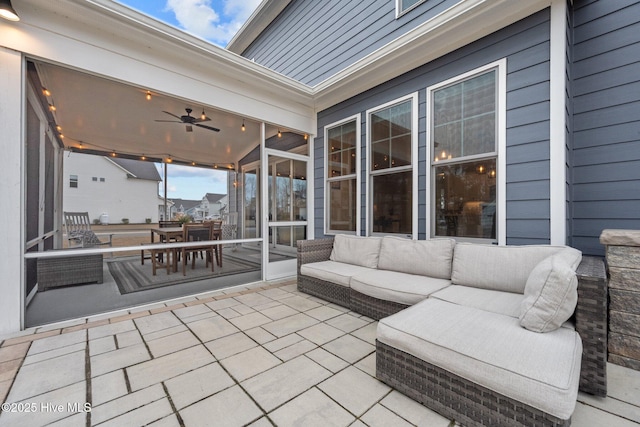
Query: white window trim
{"type": "Point", "coordinates": [358, 120]}
{"type": "Point", "coordinates": [400, 12]}
{"type": "Point", "coordinates": [414, 163]}
{"type": "Point", "coordinates": [501, 147]}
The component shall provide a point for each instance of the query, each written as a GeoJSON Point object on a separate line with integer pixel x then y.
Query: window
{"type": "Point", "coordinates": [343, 154]}
{"type": "Point", "coordinates": [464, 145]}
{"type": "Point", "coordinates": [73, 181]}
{"type": "Point", "coordinates": [101, 179]}
{"type": "Point", "coordinates": [404, 5]}
{"type": "Point", "coordinates": [392, 144]}
{"type": "Point", "coordinates": [94, 179]}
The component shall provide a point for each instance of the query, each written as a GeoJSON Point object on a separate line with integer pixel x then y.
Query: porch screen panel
{"type": "Point", "coordinates": [49, 185]}
{"type": "Point", "coordinates": [464, 162]}
{"type": "Point", "coordinates": [341, 177]}
{"type": "Point", "coordinates": [33, 174]}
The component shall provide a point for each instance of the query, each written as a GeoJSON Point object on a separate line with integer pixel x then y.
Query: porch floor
{"type": "Point", "coordinates": [259, 355]}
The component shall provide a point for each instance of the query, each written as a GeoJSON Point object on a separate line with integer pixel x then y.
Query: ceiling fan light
{"type": "Point", "coordinates": [7, 11]}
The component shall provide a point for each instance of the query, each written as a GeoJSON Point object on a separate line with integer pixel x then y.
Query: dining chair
{"type": "Point", "coordinates": [197, 233]}
{"type": "Point", "coordinates": [216, 234]}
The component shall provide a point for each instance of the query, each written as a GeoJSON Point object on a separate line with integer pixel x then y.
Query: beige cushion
{"type": "Point", "coordinates": [500, 302]}
{"type": "Point", "coordinates": [501, 268]}
{"type": "Point", "coordinates": [331, 271]}
{"type": "Point", "coordinates": [541, 370]}
{"type": "Point", "coordinates": [398, 287]}
{"type": "Point", "coordinates": [356, 250]}
{"type": "Point", "coordinates": [424, 257]}
{"type": "Point", "coordinates": [551, 293]}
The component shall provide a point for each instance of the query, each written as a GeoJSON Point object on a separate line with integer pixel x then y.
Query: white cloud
{"type": "Point", "coordinates": [218, 24]}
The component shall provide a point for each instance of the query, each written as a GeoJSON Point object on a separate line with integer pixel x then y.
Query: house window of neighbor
{"type": "Point", "coordinates": [391, 140]}
{"type": "Point", "coordinates": [404, 5]}
{"type": "Point", "coordinates": [463, 139]}
{"type": "Point", "coordinates": [342, 183]}
{"type": "Point", "coordinates": [73, 181]}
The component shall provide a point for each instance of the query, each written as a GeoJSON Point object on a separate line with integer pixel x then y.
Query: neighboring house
{"type": "Point", "coordinates": [511, 122]}
{"type": "Point", "coordinates": [117, 188]}
{"type": "Point", "coordinates": [162, 210]}
{"type": "Point", "coordinates": [214, 205]}
{"type": "Point", "coordinates": [211, 206]}
{"type": "Point", "coordinates": [186, 207]}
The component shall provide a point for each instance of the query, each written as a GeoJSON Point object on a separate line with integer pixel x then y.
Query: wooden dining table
{"type": "Point", "coordinates": [166, 234]}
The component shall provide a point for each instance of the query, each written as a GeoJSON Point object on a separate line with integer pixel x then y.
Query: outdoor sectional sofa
{"type": "Point", "coordinates": [483, 334]}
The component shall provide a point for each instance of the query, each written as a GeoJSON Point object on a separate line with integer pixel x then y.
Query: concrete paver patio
{"type": "Point", "coordinates": [259, 355]}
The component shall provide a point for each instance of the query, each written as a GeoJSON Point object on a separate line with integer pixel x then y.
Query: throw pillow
{"type": "Point", "coordinates": [551, 292]}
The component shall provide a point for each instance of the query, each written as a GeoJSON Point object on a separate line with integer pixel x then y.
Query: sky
{"type": "Point", "coordinates": [216, 21]}
{"type": "Point", "coordinates": [213, 20]}
{"type": "Point", "coordinates": [191, 183]}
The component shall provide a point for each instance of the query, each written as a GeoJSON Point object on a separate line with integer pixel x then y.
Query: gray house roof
{"type": "Point", "coordinates": [214, 197]}
{"type": "Point", "coordinates": [137, 169]}
{"type": "Point", "coordinates": [185, 203]}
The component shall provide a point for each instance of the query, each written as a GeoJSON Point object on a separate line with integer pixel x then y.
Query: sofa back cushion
{"type": "Point", "coordinates": [356, 250]}
{"type": "Point", "coordinates": [423, 257]}
{"type": "Point", "coordinates": [551, 292]}
{"type": "Point", "coordinates": [501, 268]}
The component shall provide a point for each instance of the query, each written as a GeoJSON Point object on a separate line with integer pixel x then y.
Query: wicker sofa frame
{"type": "Point", "coordinates": [448, 394]}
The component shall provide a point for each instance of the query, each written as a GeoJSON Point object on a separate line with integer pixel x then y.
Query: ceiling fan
{"type": "Point", "coordinates": [189, 120]}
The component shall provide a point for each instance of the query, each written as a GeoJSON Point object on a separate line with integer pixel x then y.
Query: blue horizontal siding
{"type": "Point", "coordinates": [606, 101]}
{"type": "Point", "coordinates": [300, 45]}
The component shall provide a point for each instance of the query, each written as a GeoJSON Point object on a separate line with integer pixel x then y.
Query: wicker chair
{"type": "Point", "coordinates": [79, 233]}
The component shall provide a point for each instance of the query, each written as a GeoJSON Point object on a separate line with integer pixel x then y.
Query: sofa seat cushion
{"type": "Point", "coordinates": [499, 302]}
{"type": "Point", "coordinates": [500, 268]}
{"type": "Point", "coordinates": [492, 350]}
{"type": "Point", "coordinates": [339, 273]}
{"type": "Point", "coordinates": [397, 287]}
{"type": "Point", "coordinates": [424, 257]}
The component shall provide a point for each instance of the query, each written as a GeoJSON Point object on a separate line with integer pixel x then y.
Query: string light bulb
{"type": "Point", "coordinates": [113, 154]}
{"type": "Point", "coordinates": [52, 107]}
{"type": "Point", "coordinates": [203, 116]}
{"type": "Point", "coordinates": [169, 160]}
{"type": "Point", "coordinates": [143, 157]}
{"type": "Point", "coordinates": [279, 134]}
{"type": "Point", "coordinates": [148, 96]}
{"type": "Point", "coordinates": [46, 92]}
{"type": "Point", "coordinates": [243, 127]}
{"type": "Point", "coordinates": [306, 136]}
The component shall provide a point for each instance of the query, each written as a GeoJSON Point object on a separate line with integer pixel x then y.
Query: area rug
{"type": "Point", "coordinates": [131, 276]}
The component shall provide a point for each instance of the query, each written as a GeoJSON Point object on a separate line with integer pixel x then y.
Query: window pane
{"type": "Point", "coordinates": [406, 4]}
{"type": "Point", "coordinates": [391, 137]}
{"type": "Point", "coordinates": [464, 118]}
{"type": "Point", "coordinates": [342, 205]}
{"type": "Point", "coordinates": [342, 150]}
{"type": "Point", "coordinates": [392, 195]}
{"type": "Point", "coordinates": [465, 199]}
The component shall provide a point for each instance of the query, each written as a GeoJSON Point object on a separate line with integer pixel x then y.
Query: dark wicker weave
{"type": "Point", "coordinates": [373, 307]}
{"type": "Point", "coordinates": [452, 396]}
{"type": "Point", "coordinates": [69, 270]}
{"type": "Point", "coordinates": [316, 251]}
{"type": "Point", "coordinates": [591, 318]}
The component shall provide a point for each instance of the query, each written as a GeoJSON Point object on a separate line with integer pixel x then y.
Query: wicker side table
{"type": "Point", "coordinates": [69, 270]}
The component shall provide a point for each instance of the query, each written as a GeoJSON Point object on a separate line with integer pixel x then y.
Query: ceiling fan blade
{"type": "Point", "coordinates": [199, 120]}
{"type": "Point", "coordinates": [172, 115]}
{"type": "Point", "coordinates": [168, 121]}
{"type": "Point", "coordinates": [208, 127]}
{"type": "Point", "coordinates": [189, 128]}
